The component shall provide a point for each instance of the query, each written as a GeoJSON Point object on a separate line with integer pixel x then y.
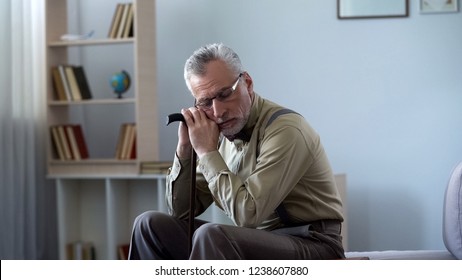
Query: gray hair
{"type": "Point", "coordinates": [196, 63]}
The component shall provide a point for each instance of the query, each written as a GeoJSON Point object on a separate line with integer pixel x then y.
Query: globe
{"type": "Point", "coordinates": [120, 82]}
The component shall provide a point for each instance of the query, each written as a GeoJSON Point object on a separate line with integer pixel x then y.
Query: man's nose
{"type": "Point", "coordinates": [219, 108]}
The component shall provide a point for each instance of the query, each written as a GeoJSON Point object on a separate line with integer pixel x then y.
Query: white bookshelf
{"type": "Point", "coordinates": [102, 116]}
{"type": "Point", "coordinates": [98, 198]}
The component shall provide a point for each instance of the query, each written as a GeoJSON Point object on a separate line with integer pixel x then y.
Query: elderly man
{"type": "Point", "coordinates": [262, 164]}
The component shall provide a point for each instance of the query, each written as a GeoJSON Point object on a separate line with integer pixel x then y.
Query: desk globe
{"type": "Point", "coordinates": [120, 83]}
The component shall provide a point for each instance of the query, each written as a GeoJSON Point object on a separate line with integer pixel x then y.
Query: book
{"type": "Point", "coordinates": [56, 140]}
{"type": "Point", "coordinates": [126, 143]}
{"type": "Point", "coordinates": [73, 142]}
{"type": "Point", "coordinates": [80, 139]}
{"type": "Point", "coordinates": [131, 32]}
{"type": "Point", "coordinates": [122, 251]}
{"type": "Point", "coordinates": [120, 141]}
{"type": "Point", "coordinates": [126, 140]}
{"type": "Point", "coordinates": [132, 154]}
{"type": "Point", "coordinates": [115, 21]}
{"type": "Point", "coordinates": [123, 20]}
{"type": "Point", "coordinates": [131, 145]}
{"type": "Point", "coordinates": [63, 138]}
{"type": "Point", "coordinates": [82, 82]}
{"type": "Point", "coordinates": [73, 86]}
{"type": "Point", "coordinates": [60, 93]}
{"type": "Point", "coordinates": [62, 74]}
{"type": "Point", "coordinates": [129, 24]}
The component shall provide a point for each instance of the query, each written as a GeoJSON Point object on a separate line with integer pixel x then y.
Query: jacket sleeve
{"type": "Point", "coordinates": [178, 183]}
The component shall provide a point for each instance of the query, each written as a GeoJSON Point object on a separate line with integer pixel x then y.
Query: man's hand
{"type": "Point", "coordinates": [183, 149]}
{"type": "Point", "coordinates": [201, 132]}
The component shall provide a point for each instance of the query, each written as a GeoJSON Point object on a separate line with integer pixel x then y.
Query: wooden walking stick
{"type": "Point", "coordinates": [192, 192]}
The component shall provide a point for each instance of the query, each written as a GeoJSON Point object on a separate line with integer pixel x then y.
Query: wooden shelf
{"type": "Point", "coordinates": [113, 101]}
{"type": "Point", "coordinates": [92, 166]}
{"type": "Point", "coordinates": [88, 42]}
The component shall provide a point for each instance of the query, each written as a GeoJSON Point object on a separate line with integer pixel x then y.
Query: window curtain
{"type": "Point", "coordinates": [27, 198]}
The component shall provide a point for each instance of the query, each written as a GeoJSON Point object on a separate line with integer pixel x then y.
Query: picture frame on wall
{"type": "Point", "coordinates": [438, 6]}
{"type": "Point", "coordinates": [368, 9]}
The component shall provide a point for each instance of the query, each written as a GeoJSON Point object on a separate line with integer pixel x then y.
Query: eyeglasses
{"type": "Point", "coordinates": [206, 103]}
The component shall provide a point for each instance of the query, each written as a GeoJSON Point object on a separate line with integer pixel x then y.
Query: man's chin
{"type": "Point", "coordinates": [228, 130]}
{"type": "Point", "coordinates": [229, 133]}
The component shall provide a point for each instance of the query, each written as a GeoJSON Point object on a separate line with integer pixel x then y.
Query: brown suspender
{"type": "Point", "coordinates": [281, 209]}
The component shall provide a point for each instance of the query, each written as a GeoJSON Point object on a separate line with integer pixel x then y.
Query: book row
{"type": "Point", "coordinates": [70, 83]}
{"type": "Point", "coordinates": [80, 250]}
{"type": "Point", "coordinates": [69, 142]}
{"type": "Point", "coordinates": [85, 250]}
{"type": "Point", "coordinates": [126, 143]}
{"type": "Point", "coordinates": [122, 21]}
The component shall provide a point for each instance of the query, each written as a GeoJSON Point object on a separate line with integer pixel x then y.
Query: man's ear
{"type": "Point", "coordinates": [248, 82]}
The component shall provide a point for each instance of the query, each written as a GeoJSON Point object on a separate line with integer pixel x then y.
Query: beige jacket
{"type": "Point", "coordinates": [283, 162]}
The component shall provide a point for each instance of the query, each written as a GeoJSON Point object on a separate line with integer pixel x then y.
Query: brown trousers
{"type": "Point", "coordinates": [157, 235]}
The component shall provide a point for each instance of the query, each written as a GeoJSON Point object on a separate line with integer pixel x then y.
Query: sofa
{"type": "Point", "coordinates": [452, 229]}
{"type": "Point", "coordinates": [452, 225]}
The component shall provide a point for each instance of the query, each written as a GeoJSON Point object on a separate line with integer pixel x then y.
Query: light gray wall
{"type": "Point", "coordinates": [384, 94]}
